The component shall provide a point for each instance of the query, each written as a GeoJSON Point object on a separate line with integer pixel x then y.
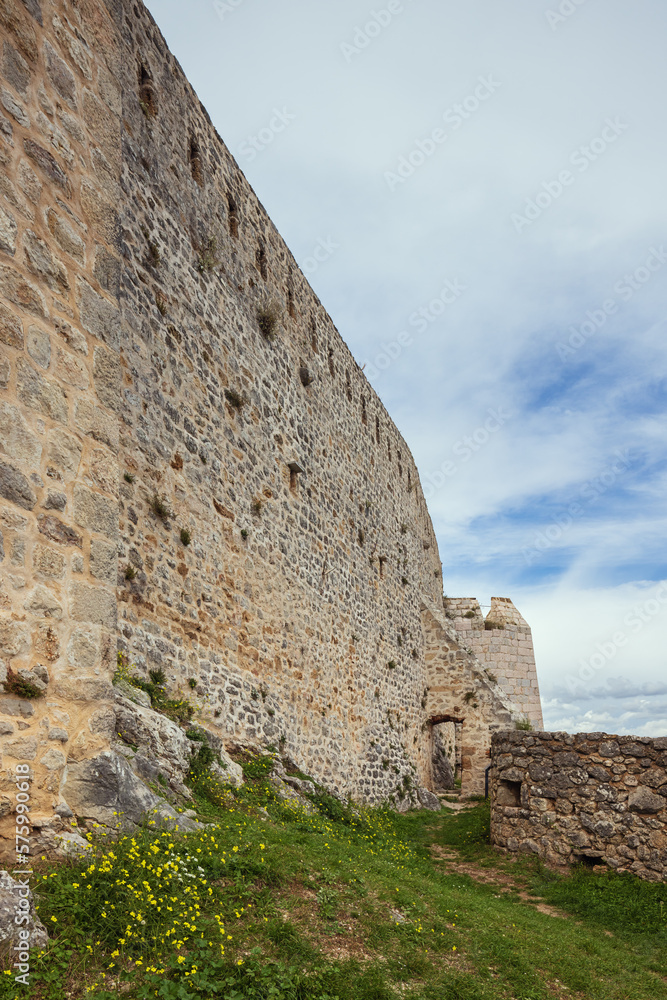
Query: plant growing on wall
{"type": "Point", "coordinates": [159, 505]}
{"type": "Point", "coordinates": [20, 686]}
{"type": "Point", "coordinates": [235, 399]}
{"type": "Point", "coordinates": [268, 315]}
{"type": "Point", "coordinates": [207, 255]}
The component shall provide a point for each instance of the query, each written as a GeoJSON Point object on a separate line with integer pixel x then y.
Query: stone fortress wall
{"type": "Point", "coordinates": [503, 642]}
{"type": "Point", "coordinates": [590, 798]}
{"type": "Point", "coordinates": [193, 468]}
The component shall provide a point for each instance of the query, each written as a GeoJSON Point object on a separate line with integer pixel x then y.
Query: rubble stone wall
{"type": "Point", "coordinates": [591, 798]}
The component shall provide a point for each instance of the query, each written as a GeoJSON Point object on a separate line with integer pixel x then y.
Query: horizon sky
{"type": "Point", "coordinates": [475, 192]}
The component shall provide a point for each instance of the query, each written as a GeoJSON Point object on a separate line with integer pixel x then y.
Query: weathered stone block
{"type": "Point", "coordinates": [60, 74]}
{"type": "Point", "coordinates": [96, 422]}
{"type": "Point", "coordinates": [43, 264]}
{"type": "Point", "coordinates": [66, 236]}
{"type": "Point", "coordinates": [14, 638]}
{"type": "Point", "coordinates": [100, 214]}
{"type": "Point", "coordinates": [15, 487]}
{"type": "Point", "coordinates": [55, 501]}
{"type": "Point", "coordinates": [48, 164]}
{"type": "Point", "coordinates": [15, 69]}
{"type": "Point", "coordinates": [64, 452]}
{"type": "Point", "coordinates": [40, 393]}
{"type": "Point", "coordinates": [18, 441]}
{"type": "Point", "coordinates": [70, 369]}
{"type": "Point", "coordinates": [95, 511]}
{"type": "Point", "coordinates": [18, 291]}
{"type": "Point", "coordinates": [103, 561]}
{"type": "Point", "coordinates": [106, 375]}
{"type": "Point", "coordinates": [21, 748]}
{"type": "Point", "coordinates": [9, 896]}
{"type": "Point", "coordinates": [8, 232]}
{"type": "Point", "coordinates": [11, 328]}
{"type": "Point", "coordinates": [48, 562]}
{"type": "Point", "coordinates": [38, 344]}
{"type": "Point", "coordinates": [13, 107]}
{"type": "Point", "coordinates": [642, 800]}
{"type": "Point", "coordinates": [96, 605]}
{"type": "Point", "coordinates": [51, 527]}
{"type": "Point", "coordinates": [17, 23]}
{"type": "Point", "coordinates": [29, 182]}
{"type": "Point", "coordinates": [43, 602]}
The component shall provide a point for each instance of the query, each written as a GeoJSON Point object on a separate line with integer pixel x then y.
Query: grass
{"type": "Point", "coordinates": [207, 255]}
{"type": "Point", "coordinates": [268, 315]}
{"type": "Point", "coordinates": [270, 901]}
{"type": "Point", "coordinates": [159, 505]}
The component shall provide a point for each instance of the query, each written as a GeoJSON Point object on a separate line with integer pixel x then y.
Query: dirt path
{"type": "Point", "coordinates": [503, 881]}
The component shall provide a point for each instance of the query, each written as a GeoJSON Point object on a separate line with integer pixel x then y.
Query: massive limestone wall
{"type": "Point", "coordinates": [134, 263]}
{"type": "Point", "coordinates": [193, 468]}
{"type": "Point", "coordinates": [503, 642]}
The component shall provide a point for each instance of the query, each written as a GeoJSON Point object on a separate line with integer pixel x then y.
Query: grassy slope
{"type": "Point", "coordinates": [322, 908]}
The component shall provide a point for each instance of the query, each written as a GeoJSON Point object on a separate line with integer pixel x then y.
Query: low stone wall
{"type": "Point", "coordinates": [591, 798]}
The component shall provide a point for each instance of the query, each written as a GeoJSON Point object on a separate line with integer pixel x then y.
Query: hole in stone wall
{"type": "Point", "coordinates": [409, 481]}
{"type": "Point", "coordinates": [313, 334]}
{"type": "Point", "coordinates": [260, 261]}
{"type": "Point", "coordinates": [348, 386]}
{"type": "Point", "coordinates": [332, 368]}
{"type": "Point", "coordinates": [377, 429]}
{"type": "Point", "coordinates": [364, 415]}
{"type": "Point", "coordinates": [147, 97]}
{"type": "Point", "coordinates": [290, 304]}
{"type": "Point", "coordinates": [509, 793]}
{"type": "Point", "coordinates": [389, 449]}
{"type": "Point", "coordinates": [194, 157]}
{"type": "Point", "coordinates": [588, 860]}
{"type": "Point", "coordinates": [232, 217]}
{"type": "Point", "coordinates": [295, 471]}
{"type": "Point", "coordinates": [382, 560]}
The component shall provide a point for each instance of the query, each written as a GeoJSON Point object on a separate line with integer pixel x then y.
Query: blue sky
{"type": "Point", "coordinates": [476, 192]}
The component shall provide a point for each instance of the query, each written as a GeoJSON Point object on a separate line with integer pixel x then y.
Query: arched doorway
{"type": "Point", "coordinates": [446, 755]}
